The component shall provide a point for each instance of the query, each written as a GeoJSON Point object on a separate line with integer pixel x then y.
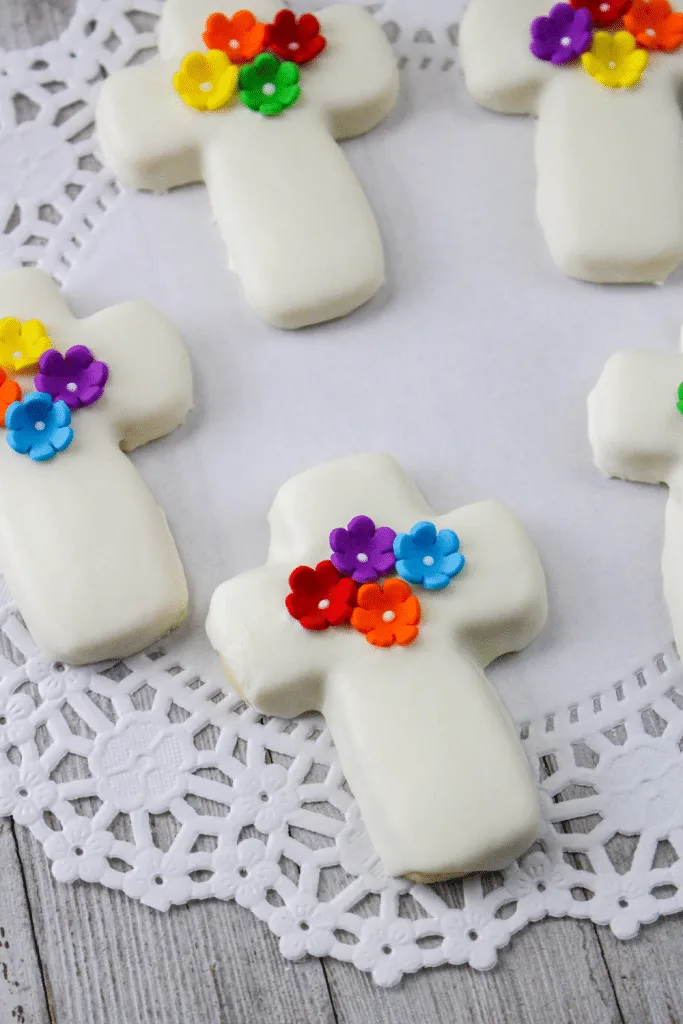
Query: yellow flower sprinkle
{"type": "Point", "coordinates": [615, 60]}
{"type": "Point", "coordinates": [22, 345]}
{"type": "Point", "coordinates": [206, 81]}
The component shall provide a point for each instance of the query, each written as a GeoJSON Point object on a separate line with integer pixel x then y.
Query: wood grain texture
{"type": "Point", "coordinates": [23, 991]}
{"type": "Point", "coordinates": [552, 972]}
{"type": "Point", "coordinates": [25, 23]}
{"type": "Point", "coordinates": [78, 954]}
{"type": "Point", "coordinates": [646, 973]}
{"type": "Point", "coordinates": [111, 959]}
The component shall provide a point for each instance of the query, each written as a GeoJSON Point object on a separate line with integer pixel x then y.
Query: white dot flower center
{"type": "Point", "coordinates": [234, 44]}
{"type": "Point", "coordinates": [428, 561]}
{"type": "Point", "coordinates": [72, 386]}
{"type": "Point", "coordinates": [205, 86]}
{"type": "Point", "coordinates": [389, 617]}
{"type": "Point", "coordinates": [362, 557]}
{"type": "Point", "coordinates": [269, 89]}
{"type": "Point", "coordinates": [605, 8]}
{"type": "Point", "coordinates": [565, 40]}
{"type": "Point", "coordinates": [324, 605]}
{"type": "Point", "coordinates": [612, 64]}
{"type": "Point", "coordinates": [293, 46]}
{"type": "Point", "coordinates": [650, 32]}
{"type": "Point", "coordinates": [17, 355]}
{"type": "Point", "coordinates": [40, 425]}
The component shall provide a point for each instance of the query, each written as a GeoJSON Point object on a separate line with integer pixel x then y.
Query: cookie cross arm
{"type": "Point", "coordinates": [272, 661]}
{"type": "Point", "coordinates": [355, 80]}
{"type": "Point", "coordinates": [313, 503]}
{"type": "Point", "coordinates": [635, 428]}
{"type": "Point", "coordinates": [32, 295]}
{"type": "Point", "coordinates": [148, 137]}
{"type": "Point", "coordinates": [183, 22]}
{"type": "Point", "coordinates": [500, 71]}
{"type": "Point", "coordinates": [499, 603]}
{"type": "Point", "coordinates": [149, 392]}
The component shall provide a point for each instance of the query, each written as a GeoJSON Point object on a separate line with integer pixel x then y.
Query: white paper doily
{"type": "Point", "coordinates": [150, 777]}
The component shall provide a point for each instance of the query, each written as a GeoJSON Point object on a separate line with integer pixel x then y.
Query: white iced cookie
{"type": "Point", "coordinates": [635, 422]}
{"type": "Point", "coordinates": [388, 636]}
{"type": "Point", "coordinates": [609, 157]}
{"type": "Point", "coordinates": [300, 232]}
{"type": "Point", "coordinates": [84, 547]}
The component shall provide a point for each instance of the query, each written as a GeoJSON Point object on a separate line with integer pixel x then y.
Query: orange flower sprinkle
{"type": "Point", "coordinates": [387, 615]}
{"type": "Point", "coordinates": [655, 25]}
{"type": "Point", "coordinates": [9, 392]}
{"type": "Point", "coordinates": [241, 37]}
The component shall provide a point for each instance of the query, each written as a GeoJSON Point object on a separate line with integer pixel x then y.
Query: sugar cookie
{"type": "Point", "coordinates": [84, 547]}
{"type": "Point", "coordinates": [260, 131]}
{"type": "Point", "coordinates": [635, 417]}
{"type": "Point", "coordinates": [384, 618]}
{"type": "Point", "coordinates": [602, 78]}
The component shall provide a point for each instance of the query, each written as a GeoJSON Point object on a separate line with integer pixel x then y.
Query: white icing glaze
{"type": "Point", "coordinates": [84, 547]}
{"type": "Point", "coordinates": [609, 161]}
{"type": "Point", "coordinates": [301, 235]}
{"type": "Point", "coordinates": [407, 721]}
{"type": "Point", "coordinates": [636, 432]}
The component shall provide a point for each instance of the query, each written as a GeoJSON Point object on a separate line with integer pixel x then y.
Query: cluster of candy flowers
{"type": "Point", "coordinates": [616, 60]}
{"type": "Point", "coordinates": [344, 589]}
{"type": "Point", "coordinates": [39, 425]}
{"type": "Point", "coordinates": [261, 60]}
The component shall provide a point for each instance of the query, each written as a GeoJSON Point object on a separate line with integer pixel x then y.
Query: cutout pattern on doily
{"type": "Point", "coordinates": [144, 777]}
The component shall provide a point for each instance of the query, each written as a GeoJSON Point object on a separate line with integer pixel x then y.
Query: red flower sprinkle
{"type": "Point", "coordinates": [298, 40]}
{"type": "Point", "coordinates": [320, 597]}
{"type": "Point", "coordinates": [605, 12]}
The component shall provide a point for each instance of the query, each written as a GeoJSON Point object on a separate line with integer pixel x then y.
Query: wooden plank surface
{"type": "Point", "coordinates": [646, 973]}
{"type": "Point", "coordinates": [110, 959]}
{"type": "Point", "coordinates": [553, 973]}
{"type": "Point", "coordinates": [25, 23]}
{"type": "Point", "coordinates": [24, 990]}
{"type": "Point", "coordinates": [78, 954]}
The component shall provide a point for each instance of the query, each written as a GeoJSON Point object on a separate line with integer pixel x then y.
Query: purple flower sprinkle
{"type": "Point", "coordinates": [362, 552]}
{"type": "Point", "coordinates": [563, 35]}
{"type": "Point", "coordinates": [76, 378]}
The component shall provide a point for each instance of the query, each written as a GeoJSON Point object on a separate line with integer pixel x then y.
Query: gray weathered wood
{"type": "Point", "coordinates": [646, 973]}
{"type": "Point", "coordinates": [23, 990]}
{"type": "Point", "coordinates": [110, 959]}
{"type": "Point", "coordinates": [25, 23]}
{"type": "Point", "coordinates": [553, 971]}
